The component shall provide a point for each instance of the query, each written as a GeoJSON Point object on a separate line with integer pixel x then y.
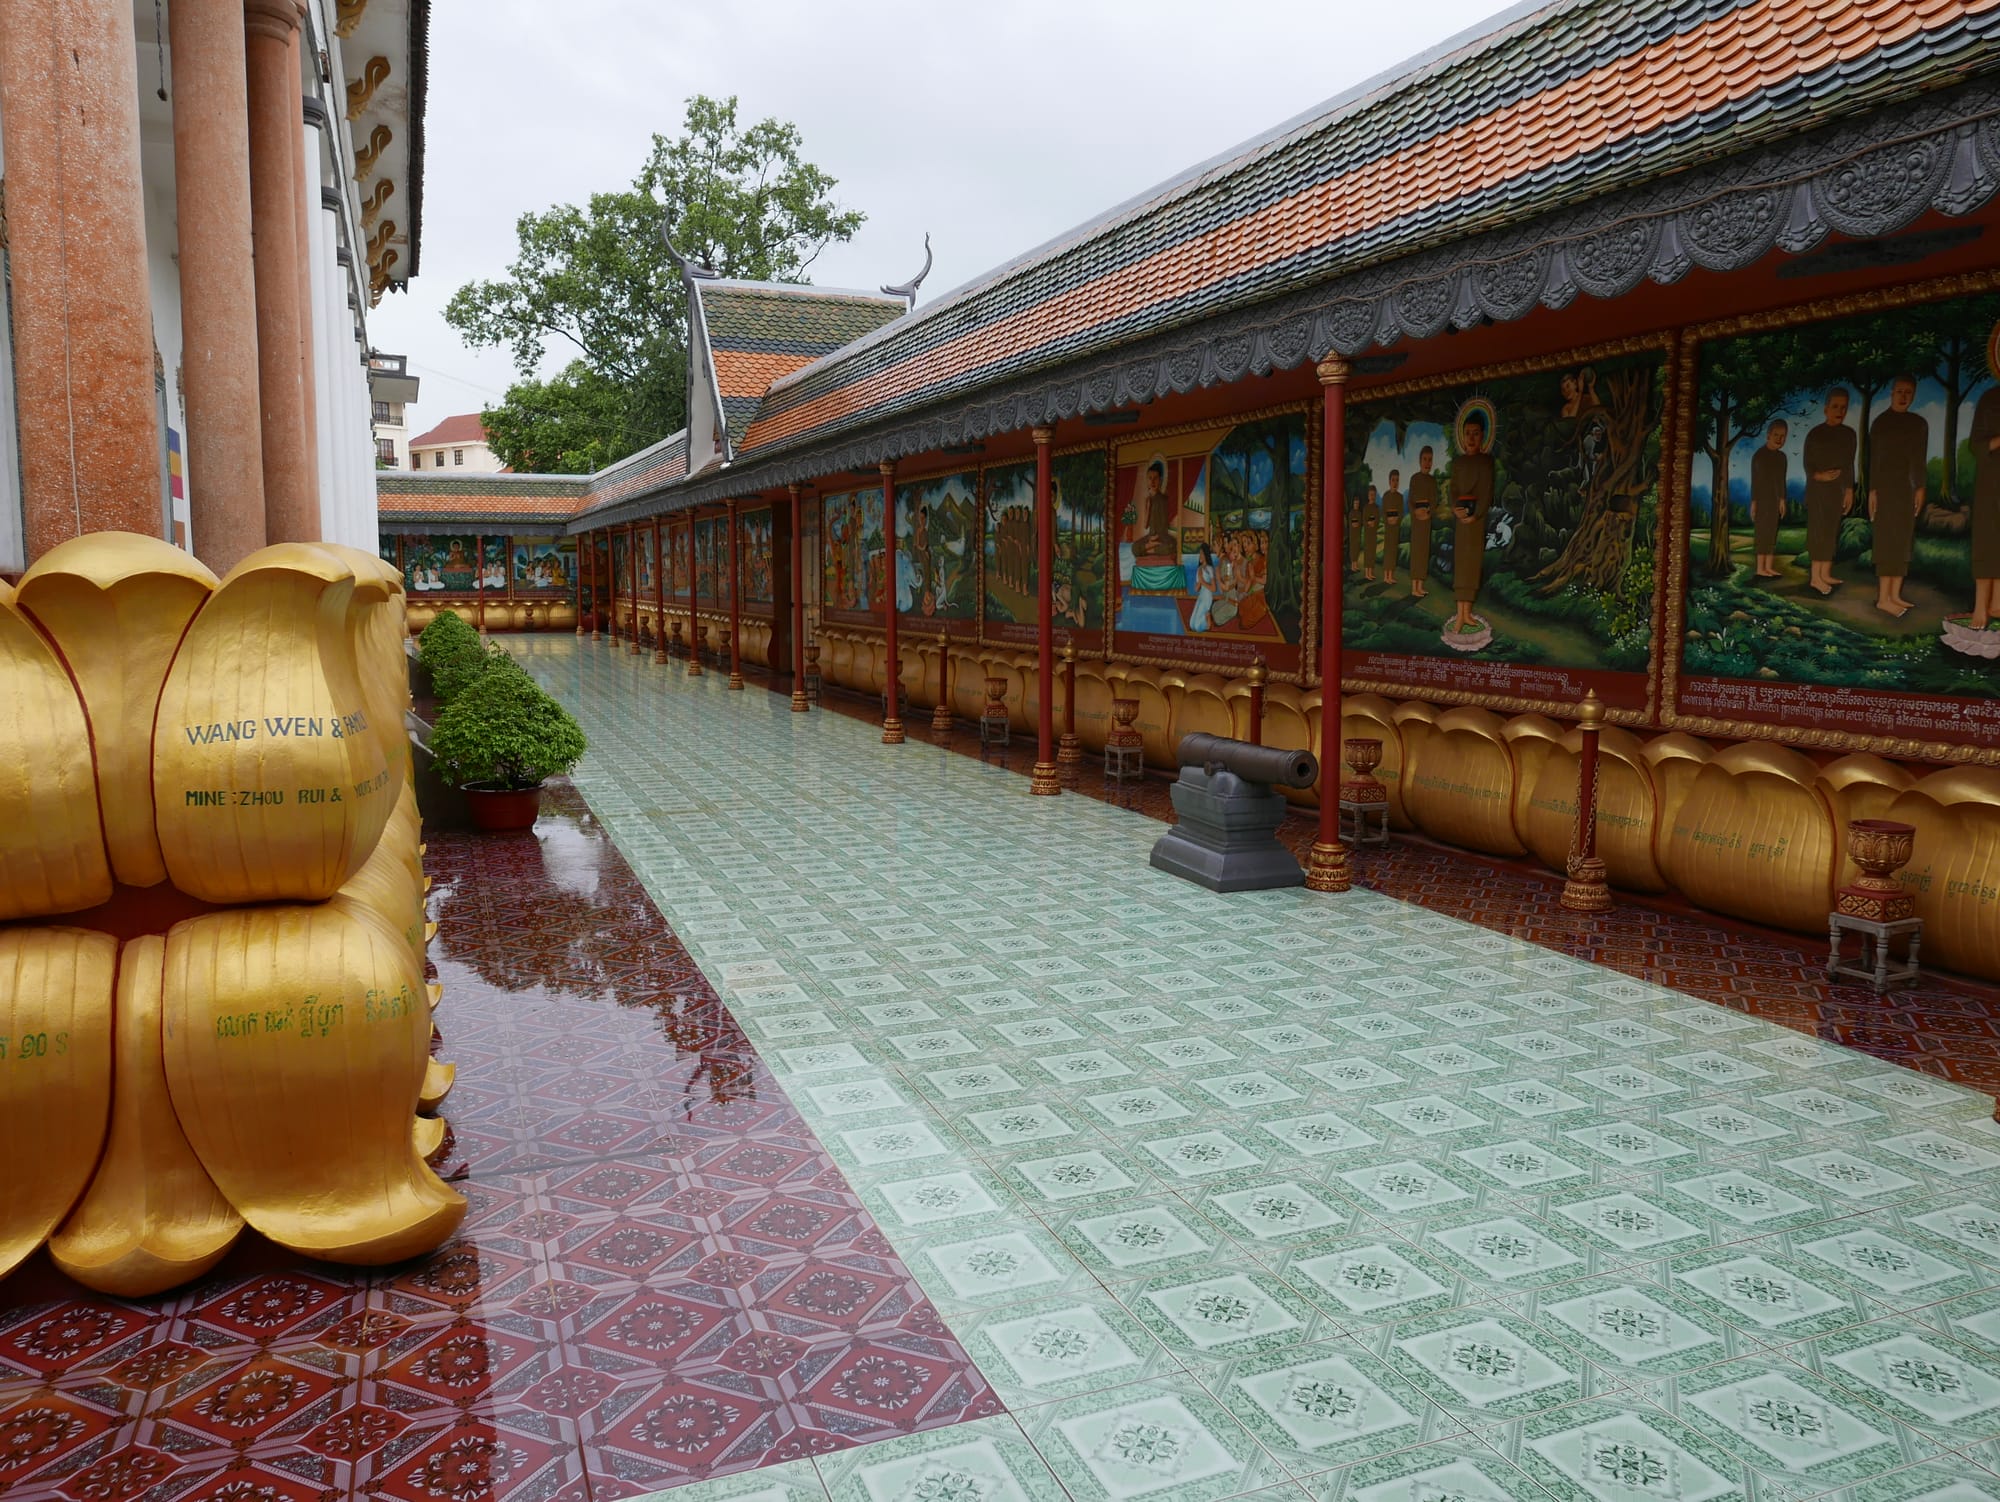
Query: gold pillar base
{"type": "Point", "coordinates": [659, 656]}
{"type": "Point", "coordinates": [1045, 781]}
{"type": "Point", "coordinates": [694, 667]}
{"type": "Point", "coordinates": [736, 680]}
{"type": "Point", "coordinates": [1326, 868]}
{"type": "Point", "coordinates": [892, 732]}
{"type": "Point", "coordinates": [800, 704]}
{"type": "Point", "coordinates": [941, 718]}
{"type": "Point", "coordinates": [1069, 748]}
{"type": "Point", "coordinates": [595, 635]}
{"type": "Point", "coordinates": [1588, 889]}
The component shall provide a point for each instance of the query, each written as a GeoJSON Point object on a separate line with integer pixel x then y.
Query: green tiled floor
{"type": "Point", "coordinates": [1279, 1191]}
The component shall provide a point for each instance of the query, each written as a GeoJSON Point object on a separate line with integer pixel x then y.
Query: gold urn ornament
{"type": "Point", "coordinates": [1362, 755]}
{"type": "Point", "coordinates": [1881, 848]}
{"type": "Point", "coordinates": [1124, 732]}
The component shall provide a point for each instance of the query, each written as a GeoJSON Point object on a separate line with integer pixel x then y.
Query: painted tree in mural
{"type": "Point", "coordinates": [1742, 382]}
{"type": "Point", "coordinates": [599, 280]}
{"type": "Point", "coordinates": [1258, 466]}
{"type": "Point", "coordinates": [1616, 461]}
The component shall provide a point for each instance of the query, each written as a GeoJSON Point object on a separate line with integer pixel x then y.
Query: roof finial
{"type": "Point", "coordinates": [688, 268]}
{"type": "Point", "coordinates": [908, 290]}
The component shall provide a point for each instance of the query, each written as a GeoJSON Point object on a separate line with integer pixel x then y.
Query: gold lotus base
{"type": "Point", "coordinates": [1588, 889]}
{"type": "Point", "coordinates": [1046, 780]}
{"type": "Point", "coordinates": [941, 718]}
{"type": "Point", "coordinates": [694, 668]}
{"type": "Point", "coordinates": [892, 732]}
{"type": "Point", "coordinates": [1326, 868]}
{"type": "Point", "coordinates": [736, 680]}
{"type": "Point", "coordinates": [1069, 749]}
{"type": "Point", "coordinates": [800, 704]}
{"type": "Point", "coordinates": [660, 656]}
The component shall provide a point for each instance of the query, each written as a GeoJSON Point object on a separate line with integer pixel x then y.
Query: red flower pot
{"type": "Point", "coordinates": [502, 810]}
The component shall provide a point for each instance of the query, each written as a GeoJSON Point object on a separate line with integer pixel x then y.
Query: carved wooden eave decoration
{"type": "Point", "coordinates": [384, 63]}
{"type": "Point", "coordinates": [362, 89]}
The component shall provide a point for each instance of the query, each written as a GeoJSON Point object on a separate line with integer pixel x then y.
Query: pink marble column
{"type": "Point", "coordinates": [69, 103]}
{"type": "Point", "coordinates": [305, 208]}
{"type": "Point", "coordinates": [218, 283]}
{"type": "Point", "coordinates": [291, 477]}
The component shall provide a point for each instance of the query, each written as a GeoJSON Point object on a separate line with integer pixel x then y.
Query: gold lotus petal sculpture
{"type": "Point", "coordinates": [1755, 838]}
{"type": "Point", "coordinates": [55, 1076]}
{"type": "Point", "coordinates": [289, 1057]}
{"type": "Point", "coordinates": [152, 1218]}
{"type": "Point", "coordinates": [52, 856]}
{"type": "Point", "coordinates": [1462, 791]}
{"type": "Point", "coordinates": [376, 619]}
{"type": "Point", "coordinates": [439, 1077]}
{"type": "Point", "coordinates": [428, 1136]}
{"type": "Point", "coordinates": [115, 604]}
{"type": "Point", "coordinates": [269, 782]}
{"type": "Point", "coordinates": [1956, 813]}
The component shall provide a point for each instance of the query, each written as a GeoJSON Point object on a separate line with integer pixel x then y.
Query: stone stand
{"type": "Point", "coordinates": [1227, 837]}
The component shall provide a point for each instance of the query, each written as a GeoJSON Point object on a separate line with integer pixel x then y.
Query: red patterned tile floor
{"type": "Point", "coordinates": [1946, 1026]}
{"type": "Point", "coordinates": [662, 1277]}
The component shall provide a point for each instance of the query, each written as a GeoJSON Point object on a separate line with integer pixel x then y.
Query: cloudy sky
{"type": "Point", "coordinates": [992, 127]}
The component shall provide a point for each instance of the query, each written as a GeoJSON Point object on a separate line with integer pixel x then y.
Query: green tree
{"type": "Point", "coordinates": [1744, 383]}
{"type": "Point", "coordinates": [600, 280]}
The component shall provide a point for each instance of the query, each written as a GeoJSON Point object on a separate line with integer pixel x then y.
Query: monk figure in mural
{"type": "Point", "coordinates": [1472, 499]}
{"type": "Point", "coordinates": [1768, 470]}
{"type": "Point", "coordinates": [1156, 517]}
{"type": "Point", "coordinates": [1829, 465]}
{"type": "Point", "coordinates": [1392, 525]}
{"type": "Point", "coordinates": [1371, 527]}
{"type": "Point", "coordinates": [1899, 443]}
{"type": "Point", "coordinates": [920, 554]}
{"type": "Point", "coordinates": [1423, 502]}
{"type": "Point", "coordinates": [1986, 509]}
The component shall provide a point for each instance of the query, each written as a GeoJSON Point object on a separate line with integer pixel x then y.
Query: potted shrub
{"type": "Point", "coordinates": [499, 738]}
{"type": "Point", "coordinates": [456, 667]}
{"type": "Point", "coordinates": [445, 636]}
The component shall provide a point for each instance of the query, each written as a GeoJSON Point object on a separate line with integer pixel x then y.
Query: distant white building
{"type": "Point", "coordinates": [457, 444]}
{"type": "Point", "coordinates": [392, 388]}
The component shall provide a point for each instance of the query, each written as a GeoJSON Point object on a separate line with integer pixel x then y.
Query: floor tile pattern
{"type": "Point", "coordinates": [1944, 1027]}
{"type": "Point", "coordinates": [1248, 1195]}
{"type": "Point", "coordinates": [663, 1276]}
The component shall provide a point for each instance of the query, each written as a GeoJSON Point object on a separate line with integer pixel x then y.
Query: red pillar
{"type": "Point", "coordinates": [892, 723]}
{"type": "Point", "coordinates": [577, 569]}
{"type": "Point", "coordinates": [659, 594]}
{"type": "Point", "coordinates": [735, 606]}
{"type": "Point", "coordinates": [800, 704]}
{"type": "Point", "coordinates": [1326, 866]}
{"type": "Point", "coordinates": [632, 562]}
{"type": "Point", "coordinates": [1069, 749]}
{"type": "Point", "coordinates": [1588, 889]}
{"type": "Point", "coordinates": [1044, 782]}
{"type": "Point", "coordinates": [1256, 736]}
{"type": "Point", "coordinates": [694, 607]}
{"type": "Point", "coordinates": [600, 599]}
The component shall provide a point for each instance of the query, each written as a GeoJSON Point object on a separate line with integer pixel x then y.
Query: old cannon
{"type": "Point", "coordinates": [1227, 837]}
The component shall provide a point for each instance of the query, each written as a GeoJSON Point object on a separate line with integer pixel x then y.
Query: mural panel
{"type": "Point", "coordinates": [621, 568]}
{"type": "Point", "coordinates": [937, 559]}
{"type": "Point", "coordinates": [1843, 549]}
{"type": "Point", "coordinates": [674, 539]}
{"type": "Point", "coordinates": [1502, 535]}
{"type": "Point", "coordinates": [755, 540]}
{"type": "Point", "coordinates": [437, 565]}
{"type": "Point", "coordinates": [544, 567]}
{"type": "Point", "coordinates": [1211, 544]}
{"type": "Point", "coordinates": [646, 562]}
{"type": "Point", "coordinates": [853, 557]}
{"type": "Point", "coordinates": [1081, 547]}
{"type": "Point", "coordinates": [388, 546]}
{"type": "Point", "coordinates": [711, 559]}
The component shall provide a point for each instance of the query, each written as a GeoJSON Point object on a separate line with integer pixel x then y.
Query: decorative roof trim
{"type": "Point", "coordinates": [1863, 178]}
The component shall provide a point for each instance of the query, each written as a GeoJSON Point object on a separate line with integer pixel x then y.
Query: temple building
{"type": "Point", "coordinates": [204, 201]}
{"type": "Point", "coordinates": [1226, 863]}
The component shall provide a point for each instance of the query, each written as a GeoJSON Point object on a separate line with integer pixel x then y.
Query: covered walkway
{"type": "Point", "coordinates": [1226, 1193]}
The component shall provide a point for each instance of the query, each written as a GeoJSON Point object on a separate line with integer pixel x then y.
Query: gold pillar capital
{"type": "Point", "coordinates": [1333, 371]}
{"type": "Point", "coordinates": [887, 467]}
{"type": "Point", "coordinates": [1042, 435]}
{"type": "Point", "coordinates": [794, 488]}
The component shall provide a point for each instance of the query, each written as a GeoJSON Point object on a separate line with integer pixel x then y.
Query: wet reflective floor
{"type": "Point", "coordinates": [855, 1094]}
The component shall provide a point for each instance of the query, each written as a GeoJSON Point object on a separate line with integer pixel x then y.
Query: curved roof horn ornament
{"type": "Point", "coordinates": [689, 268]}
{"type": "Point", "coordinates": [908, 290]}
